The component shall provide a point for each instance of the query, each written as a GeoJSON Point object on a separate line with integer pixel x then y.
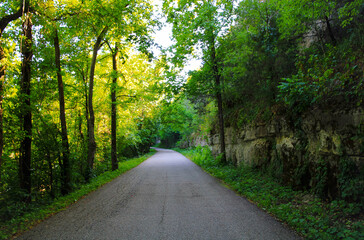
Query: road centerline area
{"type": "Point", "coordinates": [166, 197]}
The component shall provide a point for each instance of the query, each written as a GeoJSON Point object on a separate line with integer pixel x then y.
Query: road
{"type": "Point", "coordinates": [166, 197]}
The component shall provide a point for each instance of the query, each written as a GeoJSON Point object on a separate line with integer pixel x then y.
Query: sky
{"type": "Point", "coordinates": [163, 38]}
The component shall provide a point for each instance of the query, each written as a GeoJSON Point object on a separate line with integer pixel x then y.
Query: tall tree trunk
{"type": "Point", "coordinates": [331, 33]}
{"type": "Point", "coordinates": [25, 146]}
{"type": "Point", "coordinates": [50, 174]}
{"type": "Point", "coordinates": [2, 78]}
{"type": "Point", "coordinates": [3, 23]}
{"type": "Point", "coordinates": [86, 106]}
{"type": "Point", "coordinates": [91, 123]}
{"type": "Point", "coordinates": [80, 126]}
{"type": "Point", "coordinates": [218, 89]}
{"type": "Point", "coordinates": [85, 169]}
{"type": "Point", "coordinates": [114, 160]}
{"type": "Point", "coordinates": [65, 172]}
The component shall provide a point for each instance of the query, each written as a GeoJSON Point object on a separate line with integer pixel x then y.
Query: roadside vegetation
{"type": "Point", "coordinates": [25, 215]}
{"type": "Point", "coordinates": [79, 92]}
{"type": "Point", "coordinates": [310, 216]}
{"type": "Point", "coordinates": [278, 60]}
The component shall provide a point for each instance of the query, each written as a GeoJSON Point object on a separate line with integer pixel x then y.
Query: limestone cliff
{"type": "Point", "coordinates": [310, 153]}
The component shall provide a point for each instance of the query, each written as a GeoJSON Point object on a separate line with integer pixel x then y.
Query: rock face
{"type": "Point", "coordinates": [309, 153]}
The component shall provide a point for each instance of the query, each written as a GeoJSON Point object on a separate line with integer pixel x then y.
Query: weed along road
{"type": "Point", "coordinates": [166, 197]}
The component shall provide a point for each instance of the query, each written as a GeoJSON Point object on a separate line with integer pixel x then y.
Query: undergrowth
{"type": "Point", "coordinates": [28, 215]}
{"type": "Point", "coordinates": [310, 216]}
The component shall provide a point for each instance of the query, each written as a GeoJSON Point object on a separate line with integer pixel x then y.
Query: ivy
{"type": "Point", "coordinates": [351, 180]}
{"type": "Point", "coordinates": [321, 78]}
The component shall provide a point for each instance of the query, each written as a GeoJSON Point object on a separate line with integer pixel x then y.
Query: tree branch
{"type": "Point", "coordinates": [8, 18]}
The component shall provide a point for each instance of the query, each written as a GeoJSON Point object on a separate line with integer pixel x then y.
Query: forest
{"type": "Point", "coordinates": [81, 89]}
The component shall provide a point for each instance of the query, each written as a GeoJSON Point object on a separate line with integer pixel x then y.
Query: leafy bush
{"type": "Point", "coordinates": [351, 181]}
{"type": "Point", "coordinates": [322, 78]}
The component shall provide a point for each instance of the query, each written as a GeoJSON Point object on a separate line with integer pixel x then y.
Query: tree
{"type": "Point", "coordinates": [315, 19]}
{"type": "Point", "coordinates": [50, 21]}
{"type": "Point", "coordinates": [66, 175]}
{"type": "Point", "coordinates": [177, 120]}
{"type": "Point", "coordinates": [91, 120]}
{"type": "Point", "coordinates": [117, 19]}
{"type": "Point", "coordinates": [137, 97]}
{"type": "Point", "coordinates": [114, 53]}
{"type": "Point", "coordinates": [201, 23]}
{"type": "Point", "coordinates": [26, 116]}
{"type": "Point", "coordinates": [254, 58]}
{"type": "Point", "coordinates": [4, 21]}
{"type": "Point", "coordinates": [47, 96]}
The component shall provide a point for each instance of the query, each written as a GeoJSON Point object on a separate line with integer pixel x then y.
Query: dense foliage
{"type": "Point", "coordinates": [64, 66]}
{"type": "Point", "coordinates": [287, 55]}
{"type": "Point", "coordinates": [176, 119]}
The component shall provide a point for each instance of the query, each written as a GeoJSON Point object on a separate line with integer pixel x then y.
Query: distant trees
{"type": "Point", "coordinates": [200, 24]}
{"type": "Point", "coordinates": [177, 120]}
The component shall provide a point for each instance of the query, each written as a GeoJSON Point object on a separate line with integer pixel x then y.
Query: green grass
{"type": "Point", "coordinates": [21, 223]}
{"type": "Point", "coordinates": [308, 215]}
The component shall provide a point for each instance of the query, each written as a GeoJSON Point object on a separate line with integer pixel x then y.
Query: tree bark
{"type": "Point", "coordinates": [26, 115]}
{"type": "Point", "coordinates": [65, 171]}
{"type": "Point", "coordinates": [91, 122]}
{"type": "Point", "coordinates": [114, 160]}
{"type": "Point", "coordinates": [50, 174]}
{"type": "Point", "coordinates": [217, 78]}
{"type": "Point", "coordinates": [85, 170]}
{"type": "Point", "coordinates": [2, 78]}
{"type": "Point", "coordinates": [331, 34]}
{"type": "Point", "coordinates": [86, 105]}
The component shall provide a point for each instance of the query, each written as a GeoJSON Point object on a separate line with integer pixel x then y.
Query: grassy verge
{"type": "Point", "coordinates": [310, 216]}
{"type": "Point", "coordinates": [19, 224]}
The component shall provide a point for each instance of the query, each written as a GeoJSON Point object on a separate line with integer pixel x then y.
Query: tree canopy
{"type": "Point", "coordinates": [67, 90]}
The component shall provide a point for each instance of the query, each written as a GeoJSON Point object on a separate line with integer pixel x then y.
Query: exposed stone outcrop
{"type": "Point", "coordinates": [303, 152]}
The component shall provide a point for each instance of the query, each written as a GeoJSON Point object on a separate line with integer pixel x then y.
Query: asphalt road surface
{"type": "Point", "coordinates": [166, 197]}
